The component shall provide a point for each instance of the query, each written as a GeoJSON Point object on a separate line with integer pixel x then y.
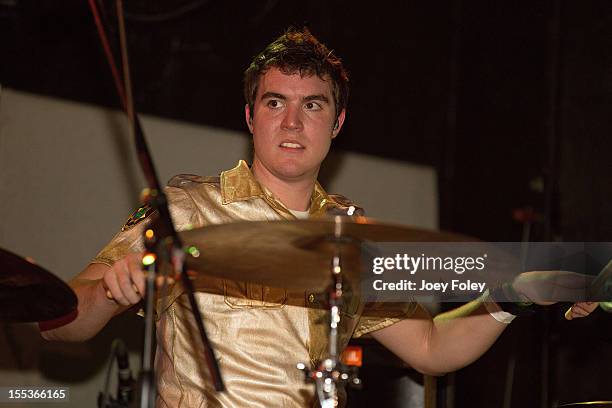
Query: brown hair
{"type": "Point", "coordinates": [297, 50]}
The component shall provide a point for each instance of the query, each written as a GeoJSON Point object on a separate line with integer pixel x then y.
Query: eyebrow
{"type": "Point", "coordinates": [318, 97]}
{"type": "Point", "coordinates": [267, 95]}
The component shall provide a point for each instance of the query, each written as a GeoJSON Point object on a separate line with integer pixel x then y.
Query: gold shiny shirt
{"type": "Point", "coordinates": [259, 333]}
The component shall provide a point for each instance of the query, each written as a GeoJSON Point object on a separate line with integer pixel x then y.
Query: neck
{"type": "Point", "coordinates": [294, 194]}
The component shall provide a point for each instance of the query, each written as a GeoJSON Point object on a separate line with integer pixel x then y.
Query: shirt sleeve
{"type": "Point", "coordinates": [124, 242]}
{"type": "Point", "coordinates": [378, 315]}
{"type": "Point", "coordinates": [129, 239]}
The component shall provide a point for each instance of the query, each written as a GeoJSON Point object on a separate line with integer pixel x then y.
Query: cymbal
{"type": "Point", "coordinates": [29, 293]}
{"type": "Point", "coordinates": [295, 255]}
{"type": "Point", "coordinates": [589, 404]}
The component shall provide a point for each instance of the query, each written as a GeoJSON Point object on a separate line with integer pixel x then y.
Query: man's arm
{"type": "Point", "coordinates": [453, 339]}
{"type": "Point", "coordinates": [124, 281]}
{"type": "Point", "coordinates": [446, 343]}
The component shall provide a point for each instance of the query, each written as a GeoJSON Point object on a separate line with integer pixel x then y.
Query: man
{"type": "Point", "coordinates": [296, 92]}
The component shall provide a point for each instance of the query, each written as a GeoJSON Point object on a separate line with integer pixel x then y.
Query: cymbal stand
{"type": "Point", "coordinates": [166, 243]}
{"type": "Point", "coordinates": [331, 372]}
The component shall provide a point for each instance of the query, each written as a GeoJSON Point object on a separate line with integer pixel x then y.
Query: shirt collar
{"type": "Point", "coordinates": [239, 184]}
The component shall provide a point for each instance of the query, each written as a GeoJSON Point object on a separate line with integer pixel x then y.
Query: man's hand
{"type": "Point", "coordinates": [581, 309]}
{"type": "Point", "coordinates": [104, 292]}
{"type": "Point", "coordinates": [124, 282]}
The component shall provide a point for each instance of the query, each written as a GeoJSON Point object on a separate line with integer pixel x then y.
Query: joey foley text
{"type": "Point", "coordinates": [405, 264]}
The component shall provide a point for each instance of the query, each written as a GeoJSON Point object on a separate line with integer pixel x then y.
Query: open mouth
{"type": "Point", "coordinates": [292, 145]}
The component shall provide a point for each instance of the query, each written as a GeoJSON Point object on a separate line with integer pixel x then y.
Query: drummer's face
{"type": "Point", "coordinates": [293, 123]}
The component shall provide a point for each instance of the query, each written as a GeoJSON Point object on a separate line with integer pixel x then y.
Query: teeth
{"type": "Point", "coordinates": [292, 145]}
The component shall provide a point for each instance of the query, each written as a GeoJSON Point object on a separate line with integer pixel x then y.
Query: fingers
{"type": "Point", "coordinates": [137, 275]}
{"type": "Point", "coordinates": [124, 282]}
{"type": "Point", "coordinates": [588, 307]}
{"type": "Point", "coordinates": [111, 285]}
{"type": "Point", "coordinates": [581, 309]}
{"type": "Point", "coordinates": [127, 286]}
{"type": "Point", "coordinates": [159, 281]}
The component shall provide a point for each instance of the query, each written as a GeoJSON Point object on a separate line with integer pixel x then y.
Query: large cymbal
{"type": "Point", "coordinates": [293, 254]}
{"type": "Point", "coordinates": [28, 293]}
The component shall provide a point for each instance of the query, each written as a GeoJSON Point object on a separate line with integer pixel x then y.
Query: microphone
{"type": "Point", "coordinates": [125, 384]}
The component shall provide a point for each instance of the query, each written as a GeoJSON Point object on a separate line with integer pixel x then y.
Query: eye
{"type": "Point", "coordinates": [313, 106]}
{"type": "Point", "coordinates": [274, 103]}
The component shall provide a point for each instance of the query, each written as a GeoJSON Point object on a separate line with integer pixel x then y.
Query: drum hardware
{"type": "Point", "coordinates": [331, 372]}
{"type": "Point", "coordinates": [263, 248]}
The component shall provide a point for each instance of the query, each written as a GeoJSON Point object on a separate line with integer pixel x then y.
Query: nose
{"type": "Point", "coordinates": [292, 119]}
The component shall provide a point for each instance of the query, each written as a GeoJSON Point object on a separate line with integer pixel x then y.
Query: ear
{"type": "Point", "coordinates": [338, 124]}
{"type": "Point", "coordinates": [247, 117]}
